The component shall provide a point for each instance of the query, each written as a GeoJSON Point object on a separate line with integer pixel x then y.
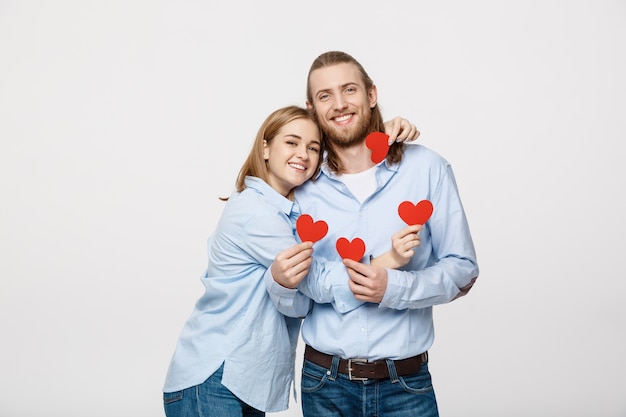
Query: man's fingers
{"type": "Point", "coordinates": [355, 266]}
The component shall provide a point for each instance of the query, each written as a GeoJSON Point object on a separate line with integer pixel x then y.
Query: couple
{"type": "Point", "coordinates": [368, 324]}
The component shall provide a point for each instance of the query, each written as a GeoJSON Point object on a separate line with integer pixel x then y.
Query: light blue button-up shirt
{"type": "Point", "coordinates": [235, 322]}
{"type": "Point", "coordinates": [443, 267]}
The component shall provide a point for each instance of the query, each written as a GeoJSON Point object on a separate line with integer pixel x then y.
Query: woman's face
{"type": "Point", "coordinates": [292, 156]}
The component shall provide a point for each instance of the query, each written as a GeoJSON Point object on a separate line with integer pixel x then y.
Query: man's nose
{"type": "Point", "coordinates": [339, 103]}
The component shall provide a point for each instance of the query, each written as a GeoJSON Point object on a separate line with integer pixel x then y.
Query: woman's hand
{"type": "Point", "coordinates": [401, 130]}
{"type": "Point", "coordinates": [291, 265]}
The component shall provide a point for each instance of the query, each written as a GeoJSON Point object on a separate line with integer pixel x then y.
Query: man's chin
{"type": "Point", "coordinates": [347, 137]}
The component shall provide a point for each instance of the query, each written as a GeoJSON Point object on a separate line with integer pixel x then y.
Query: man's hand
{"type": "Point", "coordinates": [367, 283]}
{"type": "Point", "coordinates": [401, 130]}
{"type": "Point", "coordinates": [291, 265]}
{"type": "Point", "coordinates": [403, 244]}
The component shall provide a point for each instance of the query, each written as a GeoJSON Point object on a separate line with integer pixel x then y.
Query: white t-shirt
{"type": "Point", "coordinates": [362, 184]}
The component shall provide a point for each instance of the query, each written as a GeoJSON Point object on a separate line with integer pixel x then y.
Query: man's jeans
{"type": "Point", "coordinates": [209, 399]}
{"type": "Point", "coordinates": [326, 393]}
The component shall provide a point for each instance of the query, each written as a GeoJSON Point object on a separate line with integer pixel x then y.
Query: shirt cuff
{"type": "Point", "coordinates": [395, 289]}
{"type": "Point", "coordinates": [344, 299]}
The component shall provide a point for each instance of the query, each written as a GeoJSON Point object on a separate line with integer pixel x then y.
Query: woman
{"type": "Point", "coordinates": [236, 353]}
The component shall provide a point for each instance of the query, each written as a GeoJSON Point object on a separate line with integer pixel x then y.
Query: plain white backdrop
{"type": "Point", "coordinates": [122, 122]}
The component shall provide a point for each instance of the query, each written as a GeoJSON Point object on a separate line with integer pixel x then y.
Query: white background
{"type": "Point", "coordinates": [122, 122]}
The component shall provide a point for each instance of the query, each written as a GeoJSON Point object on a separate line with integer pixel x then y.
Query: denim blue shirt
{"type": "Point", "coordinates": [235, 322]}
{"type": "Point", "coordinates": [443, 268]}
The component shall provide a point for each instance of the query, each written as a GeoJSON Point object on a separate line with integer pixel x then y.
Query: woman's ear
{"type": "Point", "coordinates": [266, 151]}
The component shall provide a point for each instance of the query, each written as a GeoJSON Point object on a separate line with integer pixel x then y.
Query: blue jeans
{"type": "Point", "coordinates": [326, 393]}
{"type": "Point", "coordinates": [209, 399]}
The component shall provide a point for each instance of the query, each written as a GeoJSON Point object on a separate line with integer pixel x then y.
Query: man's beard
{"type": "Point", "coordinates": [345, 138]}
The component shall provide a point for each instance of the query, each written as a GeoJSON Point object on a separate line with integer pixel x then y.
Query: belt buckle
{"type": "Point", "coordinates": [354, 378]}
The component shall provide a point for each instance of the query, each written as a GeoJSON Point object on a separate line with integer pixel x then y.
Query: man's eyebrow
{"type": "Point", "coordinates": [342, 86]}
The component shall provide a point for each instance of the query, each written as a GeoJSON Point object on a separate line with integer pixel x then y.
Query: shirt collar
{"type": "Point", "coordinates": [284, 204]}
{"type": "Point", "coordinates": [381, 165]}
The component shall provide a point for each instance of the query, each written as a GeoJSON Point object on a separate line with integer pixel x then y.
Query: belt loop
{"type": "Point", "coordinates": [393, 375]}
{"type": "Point", "coordinates": [334, 368]}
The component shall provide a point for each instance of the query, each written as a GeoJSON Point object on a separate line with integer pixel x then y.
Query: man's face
{"type": "Point", "coordinates": [341, 103]}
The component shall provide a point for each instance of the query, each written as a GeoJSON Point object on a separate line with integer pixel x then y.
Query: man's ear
{"type": "Point", "coordinates": [309, 106]}
{"type": "Point", "coordinates": [373, 96]}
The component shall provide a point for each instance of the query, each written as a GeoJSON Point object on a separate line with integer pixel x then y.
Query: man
{"type": "Point", "coordinates": [368, 333]}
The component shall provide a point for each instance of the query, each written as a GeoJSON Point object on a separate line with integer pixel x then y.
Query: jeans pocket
{"type": "Point", "coordinates": [420, 383]}
{"type": "Point", "coordinates": [172, 397]}
{"type": "Point", "coordinates": [314, 377]}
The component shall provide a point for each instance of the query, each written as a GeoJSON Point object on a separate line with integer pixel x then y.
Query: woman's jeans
{"type": "Point", "coordinates": [209, 399]}
{"type": "Point", "coordinates": [325, 393]}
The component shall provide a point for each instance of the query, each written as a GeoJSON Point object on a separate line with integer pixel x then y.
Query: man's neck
{"type": "Point", "coordinates": [355, 159]}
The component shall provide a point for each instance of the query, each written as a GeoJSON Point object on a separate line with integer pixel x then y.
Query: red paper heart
{"type": "Point", "coordinates": [310, 231]}
{"type": "Point", "coordinates": [378, 142]}
{"type": "Point", "coordinates": [415, 213]}
{"type": "Point", "coordinates": [351, 250]}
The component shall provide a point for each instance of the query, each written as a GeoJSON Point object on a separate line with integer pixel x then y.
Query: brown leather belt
{"type": "Point", "coordinates": [361, 369]}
